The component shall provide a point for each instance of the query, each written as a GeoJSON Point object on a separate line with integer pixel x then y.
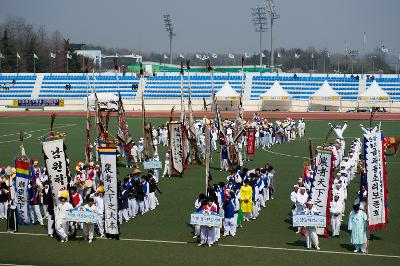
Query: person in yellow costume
{"type": "Point", "coordinates": [246, 202]}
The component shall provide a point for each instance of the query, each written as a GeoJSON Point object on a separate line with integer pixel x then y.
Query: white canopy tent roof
{"type": "Point", "coordinates": [374, 92]}
{"type": "Point", "coordinates": [103, 97]}
{"type": "Point", "coordinates": [275, 92]}
{"type": "Point", "coordinates": [325, 92]}
{"type": "Point", "coordinates": [227, 93]}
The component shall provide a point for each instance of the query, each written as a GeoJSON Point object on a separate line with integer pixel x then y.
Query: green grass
{"type": "Point", "coordinates": [170, 220]}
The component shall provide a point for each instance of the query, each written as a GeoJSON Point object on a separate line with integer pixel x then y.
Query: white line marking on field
{"type": "Point", "coordinates": [37, 130]}
{"type": "Point", "coordinates": [232, 246]}
{"type": "Point", "coordinates": [27, 136]}
{"type": "Point", "coordinates": [287, 155]}
{"type": "Point", "coordinates": [7, 264]}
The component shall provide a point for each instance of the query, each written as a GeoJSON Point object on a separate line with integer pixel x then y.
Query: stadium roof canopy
{"type": "Point", "coordinates": [275, 92]}
{"type": "Point", "coordinates": [374, 92]}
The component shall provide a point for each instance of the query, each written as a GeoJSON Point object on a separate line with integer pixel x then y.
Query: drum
{"type": "Point", "coordinates": [88, 183]}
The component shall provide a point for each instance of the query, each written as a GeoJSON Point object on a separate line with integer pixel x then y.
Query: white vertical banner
{"type": "Point", "coordinates": [321, 191]}
{"type": "Point", "coordinates": [56, 165]}
{"type": "Point", "coordinates": [108, 158]}
{"type": "Point", "coordinates": [376, 178]}
{"type": "Point", "coordinates": [21, 188]}
{"type": "Point", "coordinates": [175, 131]}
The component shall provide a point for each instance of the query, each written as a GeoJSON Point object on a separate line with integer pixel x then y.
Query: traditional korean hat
{"type": "Point", "coordinates": [63, 194]}
{"type": "Point", "coordinates": [136, 171]}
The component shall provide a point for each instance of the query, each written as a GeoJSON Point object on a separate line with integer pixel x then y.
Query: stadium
{"type": "Point", "coordinates": [173, 118]}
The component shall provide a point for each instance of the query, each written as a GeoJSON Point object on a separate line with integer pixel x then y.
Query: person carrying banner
{"type": "Point", "coordinates": [88, 228]}
{"type": "Point", "coordinates": [4, 196]}
{"type": "Point", "coordinates": [358, 227]}
{"type": "Point", "coordinates": [34, 200]}
{"type": "Point", "coordinates": [61, 225]}
{"type": "Point", "coordinates": [310, 231]}
{"type": "Point", "coordinates": [336, 215]}
{"type": "Point", "coordinates": [99, 200]}
{"type": "Point", "coordinates": [167, 170]}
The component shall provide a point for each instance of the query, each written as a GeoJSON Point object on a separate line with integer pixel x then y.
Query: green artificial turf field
{"type": "Point", "coordinates": [268, 240]}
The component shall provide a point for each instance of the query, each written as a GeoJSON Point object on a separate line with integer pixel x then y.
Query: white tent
{"type": "Point", "coordinates": [276, 92]}
{"type": "Point", "coordinates": [374, 92]}
{"type": "Point", "coordinates": [325, 92]}
{"type": "Point", "coordinates": [107, 101]}
{"type": "Point", "coordinates": [227, 93]}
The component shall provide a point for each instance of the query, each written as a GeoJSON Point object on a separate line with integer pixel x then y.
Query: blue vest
{"type": "Point", "coordinates": [229, 209]}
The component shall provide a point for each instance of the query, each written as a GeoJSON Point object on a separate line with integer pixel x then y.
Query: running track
{"type": "Point", "coordinates": [294, 115]}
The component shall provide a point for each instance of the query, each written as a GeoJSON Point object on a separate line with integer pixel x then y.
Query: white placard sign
{"type": "Point", "coordinates": [200, 218]}
{"type": "Point", "coordinates": [81, 215]}
{"type": "Point", "coordinates": [309, 220]}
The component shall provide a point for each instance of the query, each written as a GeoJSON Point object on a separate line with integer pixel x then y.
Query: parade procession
{"type": "Point", "coordinates": [90, 199]}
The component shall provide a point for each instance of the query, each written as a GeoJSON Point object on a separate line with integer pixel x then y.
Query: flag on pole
{"type": "Point", "coordinates": [364, 39]}
{"type": "Point", "coordinates": [312, 55]}
{"type": "Point", "coordinates": [246, 55]}
{"type": "Point", "coordinates": [88, 127]}
{"type": "Point", "coordinates": [262, 55]}
{"type": "Point", "coordinates": [181, 56]}
{"type": "Point", "coordinates": [35, 56]}
{"type": "Point", "coordinates": [18, 56]}
{"type": "Point", "coordinates": [297, 56]}
{"type": "Point", "coordinates": [384, 49]}
{"type": "Point", "coordinates": [69, 55]}
{"type": "Point", "coordinates": [231, 56]}
{"type": "Point", "coordinates": [214, 56]}
{"type": "Point", "coordinates": [198, 56]}
{"type": "Point", "coordinates": [165, 56]}
{"type": "Point", "coordinates": [52, 55]}
{"type": "Point", "coordinates": [1, 55]}
{"type": "Point", "coordinates": [328, 55]}
{"type": "Point", "coordinates": [205, 57]}
{"type": "Point", "coordinates": [278, 55]}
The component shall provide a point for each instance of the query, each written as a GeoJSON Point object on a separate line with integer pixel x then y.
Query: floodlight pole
{"type": "Point", "coordinates": [170, 29]}
{"type": "Point", "coordinates": [260, 23]}
{"type": "Point", "coordinates": [273, 16]}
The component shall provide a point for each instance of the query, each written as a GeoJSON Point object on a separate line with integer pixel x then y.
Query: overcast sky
{"type": "Point", "coordinates": [215, 25]}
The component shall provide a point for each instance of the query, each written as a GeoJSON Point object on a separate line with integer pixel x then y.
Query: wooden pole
{"type": "Point", "coordinates": [311, 152]}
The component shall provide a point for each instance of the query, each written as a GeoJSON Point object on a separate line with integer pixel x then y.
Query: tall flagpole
{"type": "Point", "coordinates": [182, 105]}
{"type": "Point", "coordinates": [207, 140]}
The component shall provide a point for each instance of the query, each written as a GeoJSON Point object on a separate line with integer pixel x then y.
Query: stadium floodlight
{"type": "Point", "coordinates": [273, 16]}
{"type": "Point", "coordinates": [260, 22]}
{"type": "Point", "coordinates": [170, 29]}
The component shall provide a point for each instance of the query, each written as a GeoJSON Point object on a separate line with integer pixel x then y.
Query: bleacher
{"type": "Point", "coordinates": [391, 85]}
{"type": "Point", "coordinates": [53, 86]}
{"type": "Point", "coordinates": [18, 86]}
{"type": "Point", "coordinates": [302, 87]}
{"type": "Point", "coordinates": [169, 87]}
